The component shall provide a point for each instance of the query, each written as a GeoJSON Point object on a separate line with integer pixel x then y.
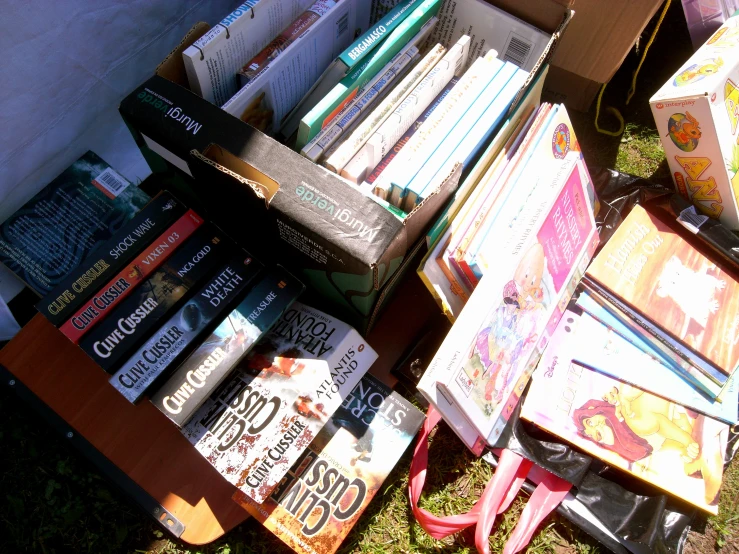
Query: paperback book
{"type": "Point", "coordinates": [200, 374]}
{"type": "Point", "coordinates": [663, 443]}
{"type": "Point", "coordinates": [112, 293]}
{"type": "Point", "coordinates": [81, 282]}
{"type": "Point", "coordinates": [180, 334]}
{"type": "Point", "coordinates": [70, 219]}
{"type": "Point", "coordinates": [261, 419]}
{"type": "Point", "coordinates": [129, 324]}
{"type": "Point", "coordinates": [326, 490]}
{"type": "Point", "coordinates": [658, 275]}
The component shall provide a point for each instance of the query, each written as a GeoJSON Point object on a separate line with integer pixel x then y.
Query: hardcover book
{"type": "Point", "coordinates": [129, 324]}
{"type": "Point", "coordinates": [326, 490]}
{"type": "Point", "coordinates": [179, 335]}
{"type": "Point", "coordinates": [113, 292]}
{"type": "Point", "coordinates": [81, 282]}
{"type": "Point", "coordinates": [661, 442]}
{"type": "Point", "coordinates": [200, 374]}
{"type": "Point", "coordinates": [256, 425]}
{"type": "Point", "coordinates": [67, 221]}
{"type": "Point", "coordinates": [661, 277]}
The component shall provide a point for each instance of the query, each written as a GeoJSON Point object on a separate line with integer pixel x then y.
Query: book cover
{"type": "Point", "coordinates": [68, 220]}
{"type": "Point", "coordinates": [114, 339]}
{"type": "Point", "coordinates": [112, 293]}
{"type": "Point", "coordinates": [324, 493]}
{"type": "Point", "coordinates": [179, 335]}
{"type": "Point", "coordinates": [660, 276]}
{"type": "Point", "coordinates": [663, 443]}
{"type": "Point", "coordinates": [519, 301]}
{"type": "Point", "coordinates": [347, 88]}
{"type": "Point", "coordinates": [256, 425]}
{"type": "Point", "coordinates": [81, 282]}
{"type": "Point", "coordinates": [193, 381]}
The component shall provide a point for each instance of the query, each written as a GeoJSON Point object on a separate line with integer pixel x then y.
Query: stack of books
{"type": "Point", "coordinates": [642, 368]}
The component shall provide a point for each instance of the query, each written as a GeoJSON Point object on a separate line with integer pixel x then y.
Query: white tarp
{"type": "Point", "coordinates": [64, 68]}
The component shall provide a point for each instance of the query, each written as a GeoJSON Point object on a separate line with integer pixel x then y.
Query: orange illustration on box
{"type": "Point", "coordinates": [725, 37]}
{"type": "Point", "coordinates": [698, 71]}
{"type": "Point", "coordinates": [684, 131]}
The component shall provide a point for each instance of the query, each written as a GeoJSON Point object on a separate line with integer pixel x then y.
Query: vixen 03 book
{"type": "Point", "coordinates": [661, 442]}
{"type": "Point", "coordinates": [330, 485]}
{"type": "Point", "coordinates": [656, 274]}
{"type": "Point", "coordinates": [256, 425]}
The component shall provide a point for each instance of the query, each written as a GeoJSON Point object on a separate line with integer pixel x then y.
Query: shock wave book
{"type": "Point", "coordinates": [80, 283]}
{"type": "Point", "coordinates": [663, 443]}
{"type": "Point", "coordinates": [179, 335]}
{"type": "Point", "coordinates": [257, 424]}
{"type": "Point", "coordinates": [193, 381]}
{"type": "Point", "coordinates": [659, 276]}
{"type": "Point", "coordinates": [70, 219]}
{"type": "Point", "coordinates": [113, 292]}
{"type": "Point", "coordinates": [325, 492]}
{"type": "Point", "coordinates": [130, 322]}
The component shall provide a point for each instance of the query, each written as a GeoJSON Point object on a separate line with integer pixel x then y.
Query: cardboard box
{"type": "Point", "coordinates": [697, 117]}
{"type": "Point", "coordinates": [594, 47]}
{"type": "Point", "coordinates": [343, 244]}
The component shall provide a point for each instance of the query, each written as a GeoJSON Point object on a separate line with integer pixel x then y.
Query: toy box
{"type": "Point", "coordinates": [697, 117]}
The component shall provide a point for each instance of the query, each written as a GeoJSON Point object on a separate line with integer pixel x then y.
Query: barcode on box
{"type": "Point", "coordinates": [342, 25]}
{"type": "Point", "coordinates": [518, 50]}
{"type": "Point", "coordinates": [691, 219]}
{"type": "Point", "coordinates": [110, 183]}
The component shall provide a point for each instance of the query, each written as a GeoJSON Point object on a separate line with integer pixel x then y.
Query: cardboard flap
{"type": "Point", "coordinates": [544, 14]}
{"type": "Point", "coordinates": [264, 187]}
{"type": "Point", "coordinates": [172, 67]}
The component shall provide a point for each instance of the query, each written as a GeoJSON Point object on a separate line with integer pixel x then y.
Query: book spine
{"type": "Point", "coordinates": [242, 12]}
{"type": "Point", "coordinates": [347, 88]}
{"type": "Point", "coordinates": [252, 68]}
{"type": "Point", "coordinates": [351, 145]}
{"type": "Point", "coordinates": [193, 381]}
{"type": "Point", "coordinates": [62, 301]}
{"type": "Point", "coordinates": [358, 107]}
{"type": "Point", "coordinates": [110, 295]}
{"type": "Point", "coordinates": [370, 39]}
{"type": "Point", "coordinates": [178, 335]}
{"type": "Point", "coordinates": [130, 322]}
{"type": "Point", "coordinates": [401, 142]}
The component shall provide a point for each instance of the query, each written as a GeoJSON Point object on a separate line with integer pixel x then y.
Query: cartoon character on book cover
{"type": "Point", "coordinates": [659, 441]}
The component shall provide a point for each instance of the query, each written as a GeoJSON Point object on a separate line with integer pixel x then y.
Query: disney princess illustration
{"type": "Point", "coordinates": [662, 442]}
{"type": "Point", "coordinates": [698, 71]}
{"type": "Point", "coordinates": [684, 130]}
{"type": "Point", "coordinates": [507, 337]}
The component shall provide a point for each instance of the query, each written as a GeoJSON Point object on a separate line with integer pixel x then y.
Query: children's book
{"type": "Point", "coordinates": [258, 422]}
{"type": "Point", "coordinates": [658, 275]}
{"type": "Point", "coordinates": [324, 493]}
{"type": "Point", "coordinates": [661, 442]}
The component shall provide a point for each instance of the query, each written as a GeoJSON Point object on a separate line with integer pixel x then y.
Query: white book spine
{"type": "Point", "coordinates": [359, 136]}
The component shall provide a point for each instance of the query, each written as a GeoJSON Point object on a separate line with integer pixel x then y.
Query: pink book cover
{"type": "Point", "coordinates": [663, 443]}
{"type": "Point", "coordinates": [666, 280]}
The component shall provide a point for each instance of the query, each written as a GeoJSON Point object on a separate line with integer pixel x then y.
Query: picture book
{"type": "Point", "coordinates": [498, 335]}
{"type": "Point", "coordinates": [181, 333]}
{"type": "Point", "coordinates": [81, 282]}
{"type": "Point", "coordinates": [67, 221]}
{"type": "Point", "coordinates": [200, 374]}
{"type": "Point", "coordinates": [114, 291]}
{"type": "Point", "coordinates": [581, 338]}
{"type": "Point", "coordinates": [266, 413]}
{"type": "Point", "coordinates": [326, 490]}
{"type": "Point", "coordinates": [660, 276]}
{"type": "Point", "coordinates": [663, 443]}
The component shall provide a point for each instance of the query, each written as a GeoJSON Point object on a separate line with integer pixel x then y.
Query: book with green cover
{"type": "Point", "coordinates": [345, 90]}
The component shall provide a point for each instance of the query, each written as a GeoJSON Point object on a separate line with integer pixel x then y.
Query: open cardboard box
{"type": "Point", "coordinates": [345, 246]}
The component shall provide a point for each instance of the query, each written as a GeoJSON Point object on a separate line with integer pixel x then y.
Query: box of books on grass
{"type": "Point", "coordinates": [664, 443]}
{"type": "Point", "coordinates": [669, 293]}
{"type": "Point", "coordinates": [70, 219]}
{"type": "Point", "coordinates": [329, 486]}
{"type": "Point", "coordinates": [347, 245]}
{"type": "Point", "coordinates": [697, 116]}
{"type": "Point", "coordinates": [254, 427]}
